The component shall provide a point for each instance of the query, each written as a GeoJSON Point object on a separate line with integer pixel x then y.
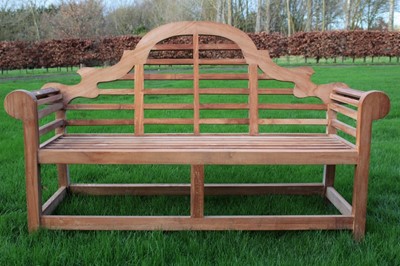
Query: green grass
{"type": "Point", "coordinates": [381, 245]}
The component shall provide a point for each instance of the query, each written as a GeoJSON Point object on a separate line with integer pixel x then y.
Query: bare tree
{"type": "Point", "coordinates": [289, 19]}
{"type": "Point", "coordinates": [391, 15]}
{"type": "Point", "coordinates": [267, 18]}
{"type": "Point", "coordinates": [33, 8]}
{"type": "Point", "coordinates": [348, 14]}
{"type": "Point", "coordinates": [309, 15]}
{"type": "Point", "coordinates": [220, 13]}
{"type": "Point", "coordinates": [258, 17]}
{"type": "Point", "coordinates": [323, 14]}
{"type": "Point", "coordinates": [229, 17]}
{"type": "Point", "coordinates": [79, 19]}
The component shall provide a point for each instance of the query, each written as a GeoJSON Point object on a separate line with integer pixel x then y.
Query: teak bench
{"type": "Point", "coordinates": [197, 148]}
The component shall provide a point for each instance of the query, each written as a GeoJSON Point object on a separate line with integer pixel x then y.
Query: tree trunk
{"type": "Point", "coordinates": [323, 14]}
{"type": "Point", "coordinates": [219, 11]}
{"type": "Point", "coordinates": [309, 15]}
{"type": "Point", "coordinates": [258, 17]}
{"type": "Point", "coordinates": [391, 15]}
{"type": "Point", "coordinates": [33, 9]}
{"type": "Point", "coordinates": [267, 15]}
{"type": "Point", "coordinates": [348, 14]}
{"type": "Point", "coordinates": [289, 19]}
{"type": "Point", "coordinates": [229, 12]}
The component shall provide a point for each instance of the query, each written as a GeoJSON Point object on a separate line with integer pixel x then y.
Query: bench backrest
{"type": "Point", "coordinates": [194, 86]}
{"type": "Point", "coordinates": [190, 86]}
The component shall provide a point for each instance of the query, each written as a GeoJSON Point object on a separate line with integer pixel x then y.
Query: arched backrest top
{"type": "Point", "coordinates": [92, 76]}
{"type": "Point", "coordinates": [161, 33]}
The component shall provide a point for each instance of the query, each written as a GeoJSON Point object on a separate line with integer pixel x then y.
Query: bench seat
{"type": "Point", "coordinates": [206, 149]}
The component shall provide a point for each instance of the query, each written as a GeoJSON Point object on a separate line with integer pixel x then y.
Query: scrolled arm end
{"type": "Point", "coordinates": [21, 104]}
{"type": "Point", "coordinates": [377, 102]}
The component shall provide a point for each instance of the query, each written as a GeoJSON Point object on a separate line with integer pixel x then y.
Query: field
{"type": "Point", "coordinates": [380, 247]}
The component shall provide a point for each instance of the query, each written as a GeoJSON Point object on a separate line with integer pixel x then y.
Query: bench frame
{"type": "Point", "coordinates": [24, 105]}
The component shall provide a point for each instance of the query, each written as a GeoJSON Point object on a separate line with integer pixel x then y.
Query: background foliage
{"type": "Point", "coordinates": [105, 51]}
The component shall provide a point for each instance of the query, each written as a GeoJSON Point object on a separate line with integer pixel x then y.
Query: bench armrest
{"type": "Point", "coordinates": [375, 103]}
{"type": "Point", "coordinates": [370, 106]}
{"type": "Point", "coordinates": [23, 105]}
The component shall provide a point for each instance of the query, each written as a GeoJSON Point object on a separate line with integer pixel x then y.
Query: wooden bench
{"type": "Point", "coordinates": [198, 49]}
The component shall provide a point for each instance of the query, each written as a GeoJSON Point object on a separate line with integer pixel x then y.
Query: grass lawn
{"type": "Point", "coordinates": [381, 245]}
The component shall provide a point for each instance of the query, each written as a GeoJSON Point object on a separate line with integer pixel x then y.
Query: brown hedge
{"type": "Point", "coordinates": [106, 51]}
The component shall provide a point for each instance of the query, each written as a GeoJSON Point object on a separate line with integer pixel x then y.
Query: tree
{"type": "Point", "coordinates": [348, 14]}
{"type": "Point", "coordinates": [289, 19]}
{"type": "Point", "coordinates": [229, 17]}
{"type": "Point", "coordinates": [391, 15]}
{"type": "Point", "coordinates": [259, 15]}
{"type": "Point", "coordinates": [267, 18]}
{"type": "Point", "coordinates": [33, 6]}
{"type": "Point", "coordinates": [309, 15]}
{"type": "Point", "coordinates": [364, 13]}
{"type": "Point", "coordinates": [220, 12]}
{"type": "Point", "coordinates": [79, 19]}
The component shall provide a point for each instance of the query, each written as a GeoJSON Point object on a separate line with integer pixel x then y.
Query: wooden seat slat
{"type": "Point", "coordinates": [182, 142]}
{"type": "Point", "coordinates": [198, 156]}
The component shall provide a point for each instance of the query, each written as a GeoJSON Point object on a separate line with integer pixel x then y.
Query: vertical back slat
{"type": "Point", "coordinates": [139, 98]}
{"type": "Point", "coordinates": [253, 99]}
{"type": "Point", "coordinates": [196, 95]}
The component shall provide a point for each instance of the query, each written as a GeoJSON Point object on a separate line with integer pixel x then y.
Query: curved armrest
{"type": "Point", "coordinates": [21, 104]}
{"type": "Point", "coordinates": [375, 104]}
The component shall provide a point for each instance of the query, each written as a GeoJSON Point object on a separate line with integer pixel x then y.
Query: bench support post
{"type": "Point", "coordinates": [33, 186]}
{"type": "Point", "coordinates": [197, 191]}
{"type": "Point", "coordinates": [329, 176]}
{"type": "Point", "coordinates": [32, 168]}
{"type": "Point", "coordinates": [359, 210]}
{"type": "Point", "coordinates": [62, 169]}
{"type": "Point", "coordinates": [63, 175]}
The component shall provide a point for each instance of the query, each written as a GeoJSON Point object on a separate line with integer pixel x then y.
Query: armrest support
{"type": "Point", "coordinates": [371, 105]}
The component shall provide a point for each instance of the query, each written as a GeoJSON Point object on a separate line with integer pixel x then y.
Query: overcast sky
{"type": "Point", "coordinates": [114, 3]}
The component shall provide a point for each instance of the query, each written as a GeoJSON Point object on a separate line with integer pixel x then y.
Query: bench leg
{"type": "Point", "coordinates": [33, 194]}
{"type": "Point", "coordinates": [197, 191]}
{"type": "Point", "coordinates": [359, 206]}
{"type": "Point", "coordinates": [63, 175]}
{"type": "Point", "coordinates": [329, 176]}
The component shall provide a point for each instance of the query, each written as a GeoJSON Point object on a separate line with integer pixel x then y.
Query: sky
{"type": "Point", "coordinates": [112, 3]}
